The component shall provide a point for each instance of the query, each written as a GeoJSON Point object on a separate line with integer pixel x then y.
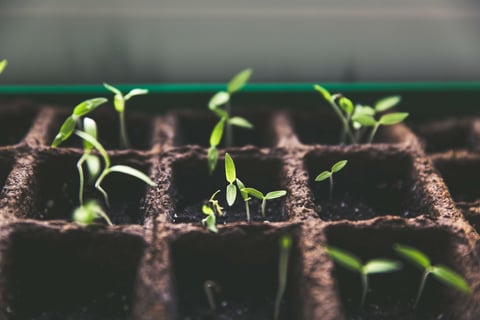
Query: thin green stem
{"type": "Point", "coordinates": [372, 134]}
{"type": "Point", "coordinates": [346, 129]}
{"type": "Point", "coordinates": [102, 214]}
{"type": "Point", "coordinates": [229, 129]}
{"type": "Point", "coordinates": [81, 177]}
{"type": "Point", "coordinates": [282, 280]}
{"type": "Point", "coordinates": [124, 141]}
{"type": "Point", "coordinates": [247, 210]}
{"type": "Point", "coordinates": [99, 187]}
{"type": "Point", "coordinates": [331, 187]}
{"type": "Point", "coordinates": [364, 289]}
{"type": "Point", "coordinates": [422, 286]}
{"type": "Point", "coordinates": [264, 204]}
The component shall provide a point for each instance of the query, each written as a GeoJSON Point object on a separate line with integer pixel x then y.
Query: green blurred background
{"type": "Point", "coordinates": [146, 41]}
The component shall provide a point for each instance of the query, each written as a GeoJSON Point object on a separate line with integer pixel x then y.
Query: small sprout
{"type": "Point", "coordinates": [269, 196]}
{"type": "Point", "coordinates": [351, 262]}
{"type": "Point", "coordinates": [442, 273]}
{"type": "Point", "coordinates": [68, 126]}
{"type": "Point", "coordinates": [119, 102]}
{"type": "Point", "coordinates": [385, 120]}
{"type": "Point", "coordinates": [245, 197]}
{"type": "Point", "coordinates": [86, 214]}
{"type": "Point", "coordinates": [3, 65]}
{"type": "Point", "coordinates": [329, 174]}
{"type": "Point", "coordinates": [111, 169]}
{"type": "Point", "coordinates": [215, 139]}
{"type": "Point", "coordinates": [285, 246]}
{"type": "Point", "coordinates": [211, 287]}
{"type": "Point", "coordinates": [210, 221]}
{"type": "Point", "coordinates": [231, 176]}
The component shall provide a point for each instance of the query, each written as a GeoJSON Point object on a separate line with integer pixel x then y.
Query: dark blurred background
{"type": "Point", "coordinates": [147, 41]}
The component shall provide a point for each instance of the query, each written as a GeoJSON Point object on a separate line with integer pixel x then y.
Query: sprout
{"type": "Point", "coordinates": [231, 176]}
{"type": "Point", "coordinates": [329, 174]}
{"type": "Point", "coordinates": [80, 110]}
{"type": "Point", "coordinates": [351, 262]}
{"type": "Point", "coordinates": [269, 196]}
{"type": "Point", "coordinates": [210, 287]}
{"type": "Point", "coordinates": [86, 214]}
{"type": "Point", "coordinates": [211, 220]}
{"type": "Point", "coordinates": [385, 120]}
{"type": "Point", "coordinates": [3, 65]}
{"type": "Point", "coordinates": [216, 102]}
{"type": "Point", "coordinates": [442, 273]}
{"type": "Point", "coordinates": [111, 169]}
{"type": "Point", "coordinates": [245, 197]}
{"type": "Point", "coordinates": [119, 102]}
{"type": "Point", "coordinates": [285, 245]}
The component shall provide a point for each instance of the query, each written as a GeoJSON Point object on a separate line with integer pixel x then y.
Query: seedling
{"type": "Point", "coordinates": [226, 121]}
{"type": "Point", "coordinates": [442, 273]}
{"type": "Point", "coordinates": [329, 174]}
{"type": "Point", "coordinates": [245, 197]}
{"type": "Point", "coordinates": [210, 221]}
{"type": "Point", "coordinates": [351, 262]}
{"type": "Point", "coordinates": [80, 110]}
{"type": "Point", "coordinates": [3, 65]}
{"type": "Point", "coordinates": [211, 287]}
{"type": "Point", "coordinates": [231, 176]}
{"type": "Point", "coordinates": [285, 245]}
{"type": "Point", "coordinates": [269, 196]}
{"type": "Point", "coordinates": [385, 120]}
{"type": "Point", "coordinates": [86, 214]}
{"type": "Point", "coordinates": [111, 169]}
{"type": "Point", "coordinates": [119, 102]}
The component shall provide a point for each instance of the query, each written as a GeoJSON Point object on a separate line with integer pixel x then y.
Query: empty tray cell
{"type": "Point", "coordinates": [192, 186]}
{"type": "Point", "coordinates": [375, 182]}
{"type": "Point", "coordinates": [57, 185]}
{"type": "Point", "coordinates": [243, 266]}
{"type": "Point", "coordinates": [392, 295]}
{"type": "Point", "coordinates": [195, 128]}
{"type": "Point", "coordinates": [448, 134]}
{"type": "Point", "coordinates": [16, 118]}
{"type": "Point", "coordinates": [139, 129]}
{"type": "Point", "coordinates": [75, 275]}
{"type": "Point", "coordinates": [316, 126]}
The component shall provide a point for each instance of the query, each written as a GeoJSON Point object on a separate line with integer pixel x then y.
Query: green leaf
{"type": "Point", "coordinates": [222, 114]}
{"type": "Point", "coordinates": [339, 165]}
{"type": "Point", "coordinates": [324, 92]}
{"type": "Point", "coordinates": [365, 120]}
{"type": "Point", "coordinates": [230, 172]}
{"type": "Point", "coordinates": [413, 255]}
{"type": "Point", "coordinates": [119, 103]}
{"type": "Point", "coordinates": [93, 166]}
{"type": "Point", "coordinates": [84, 216]}
{"type": "Point", "coordinates": [254, 192]}
{"type": "Point", "coordinates": [323, 176]}
{"type": "Point", "coordinates": [3, 65]}
{"type": "Point", "coordinates": [88, 106]}
{"type": "Point", "coordinates": [217, 133]}
{"type": "Point", "coordinates": [451, 278]}
{"type": "Point", "coordinates": [96, 144]}
{"type": "Point", "coordinates": [275, 194]}
{"type": "Point", "coordinates": [112, 89]}
{"type": "Point", "coordinates": [66, 130]}
{"type": "Point", "coordinates": [239, 81]}
{"type": "Point", "coordinates": [387, 103]}
{"type": "Point", "coordinates": [363, 110]}
{"type": "Point", "coordinates": [218, 99]}
{"type": "Point", "coordinates": [231, 194]}
{"type": "Point", "coordinates": [207, 210]}
{"type": "Point", "coordinates": [240, 122]}
{"type": "Point", "coordinates": [90, 127]}
{"type": "Point", "coordinates": [241, 187]}
{"type": "Point", "coordinates": [345, 259]}
{"type": "Point", "coordinates": [393, 118]}
{"type": "Point", "coordinates": [381, 266]}
{"type": "Point", "coordinates": [135, 92]}
{"type": "Point", "coordinates": [132, 172]}
{"type": "Point", "coordinates": [210, 222]}
{"type": "Point", "coordinates": [212, 157]}
{"type": "Point", "coordinates": [346, 104]}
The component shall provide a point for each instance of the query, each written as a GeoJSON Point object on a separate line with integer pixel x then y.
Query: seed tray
{"type": "Point", "coordinates": [153, 262]}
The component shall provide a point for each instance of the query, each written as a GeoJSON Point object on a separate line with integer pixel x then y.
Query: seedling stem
{"type": "Point", "coordinates": [210, 287]}
{"type": "Point", "coordinates": [285, 245]}
{"type": "Point", "coordinates": [329, 174]}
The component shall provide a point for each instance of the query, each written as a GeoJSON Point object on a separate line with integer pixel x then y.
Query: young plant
{"type": "Point", "coordinates": [442, 273]}
{"type": "Point", "coordinates": [119, 102]}
{"type": "Point", "coordinates": [385, 120]}
{"type": "Point", "coordinates": [329, 174]}
{"type": "Point", "coordinates": [210, 221]}
{"type": "Point", "coordinates": [69, 125]}
{"type": "Point", "coordinates": [351, 262]}
{"type": "Point", "coordinates": [226, 121]}
{"type": "Point", "coordinates": [245, 197]}
{"type": "Point", "coordinates": [87, 213]}
{"type": "Point", "coordinates": [3, 65]}
{"type": "Point", "coordinates": [108, 168]}
{"type": "Point", "coordinates": [211, 287]}
{"type": "Point", "coordinates": [231, 176]}
{"type": "Point", "coordinates": [264, 197]}
{"type": "Point", "coordinates": [285, 245]}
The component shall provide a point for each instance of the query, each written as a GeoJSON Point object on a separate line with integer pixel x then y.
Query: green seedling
{"type": "Point", "coordinates": [211, 287]}
{"type": "Point", "coordinates": [119, 102]}
{"type": "Point", "coordinates": [92, 161]}
{"type": "Point", "coordinates": [226, 121]}
{"type": "Point", "coordinates": [442, 273]}
{"type": "Point", "coordinates": [264, 197]}
{"type": "Point", "coordinates": [69, 125]}
{"type": "Point", "coordinates": [86, 214]}
{"type": "Point", "coordinates": [211, 220]}
{"type": "Point", "coordinates": [231, 176]}
{"type": "Point", "coordinates": [351, 262]}
{"type": "Point", "coordinates": [385, 120]}
{"type": "Point", "coordinates": [108, 168]}
{"type": "Point", "coordinates": [329, 174]}
{"type": "Point", "coordinates": [3, 65]}
{"type": "Point", "coordinates": [245, 197]}
{"type": "Point", "coordinates": [285, 246]}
